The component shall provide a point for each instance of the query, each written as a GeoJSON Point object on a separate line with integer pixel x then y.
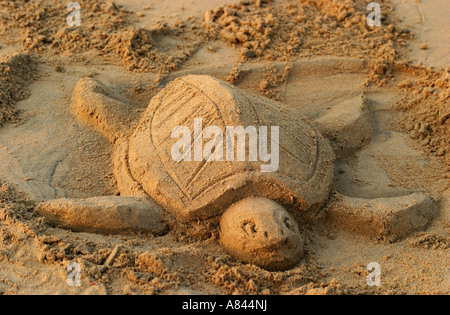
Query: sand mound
{"type": "Point", "coordinates": [16, 72]}
{"type": "Point", "coordinates": [139, 49]}
{"type": "Point", "coordinates": [285, 30]}
{"type": "Point", "coordinates": [281, 30]}
{"type": "Point", "coordinates": [426, 104]}
{"type": "Point", "coordinates": [11, 199]}
{"type": "Point", "coordinates": [105, 30]}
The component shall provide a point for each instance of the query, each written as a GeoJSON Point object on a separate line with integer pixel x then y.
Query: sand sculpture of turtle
{"type": "Point", "coordinates": [258, 213]}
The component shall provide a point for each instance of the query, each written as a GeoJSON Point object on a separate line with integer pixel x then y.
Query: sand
{"type": "Point", "coordinates": [312, 56]}
{"type": "Point", "coordinates": [17, 70]}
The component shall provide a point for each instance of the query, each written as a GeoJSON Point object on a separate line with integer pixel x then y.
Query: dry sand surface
{"type": "Point", "coordinates": [315, 57]}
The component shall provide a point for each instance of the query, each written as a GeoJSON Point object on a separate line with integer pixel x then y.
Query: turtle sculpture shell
{"type": "Point", "coordinates": [203, 189]}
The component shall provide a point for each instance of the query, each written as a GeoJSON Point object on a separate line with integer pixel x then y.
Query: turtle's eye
{"type": "Point", "coordinates": [288, 224]}
{"type": "Point", "coordinates": [249, 228]}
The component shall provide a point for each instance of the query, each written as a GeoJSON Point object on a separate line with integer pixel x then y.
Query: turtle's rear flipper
{"type": "Point", "coordinates": [102, 108]}
{"type": "Point", "coordinates": [390, 219]}
{"type": "Point", "coordinates": [106, 215]}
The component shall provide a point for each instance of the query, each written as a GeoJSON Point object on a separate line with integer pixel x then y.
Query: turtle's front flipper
{"type": "Point", "coordinates": [102, 108]}
{"type": "Point", "coordinates": [106, 215]}
{"type": "Point", "coordinates": [348, 126]}
{"type": "Point", "coordinates": [391, 219]}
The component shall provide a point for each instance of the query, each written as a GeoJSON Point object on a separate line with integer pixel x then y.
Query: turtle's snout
{"type": "Point", "coordinates": [259, 231]}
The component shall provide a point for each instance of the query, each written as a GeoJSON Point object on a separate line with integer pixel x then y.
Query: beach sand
{"type": "Point", "coordinates": [310, 55]}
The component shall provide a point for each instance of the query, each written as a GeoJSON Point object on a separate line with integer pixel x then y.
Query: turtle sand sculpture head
{"type": "Point", "coordinates": [257, 212]}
